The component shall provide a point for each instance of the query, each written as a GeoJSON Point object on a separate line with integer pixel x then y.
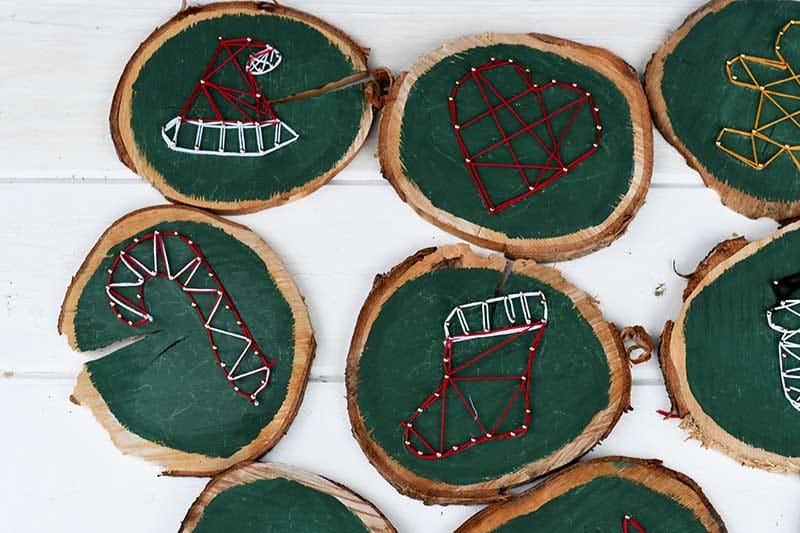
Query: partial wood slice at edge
{"type": "Point", "coordinates": [120, 114]}
{"type": "Point", "coordinates": [650, 473]}
{"type": "Point", "coordinates": [434, 492]}
{"type": "Point", "coordinates": [735, 199]}
{"type": "Point", "coordinates": [672, 358]}
{"type": "Point", "coordinates": [177, 462]}
{"type": "Point", "coordinates": [374, 520]}
{"type": "Point", "coordinates": [544, 250]}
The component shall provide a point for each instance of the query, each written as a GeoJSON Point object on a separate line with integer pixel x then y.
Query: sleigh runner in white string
{"type": "Point", "coordinates": [224, 120]}
{"type": "Point", "coordinates": [516, 320]}
{"type": "Point", "coordinates": [148, 257]}
{"type": "Point", "coordinates": [784, 317]}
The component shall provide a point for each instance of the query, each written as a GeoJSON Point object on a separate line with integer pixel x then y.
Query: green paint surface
{"type": "Point", "coordinates": [401, 366]}
{"type": "Point", "coordinates": [327, 124]}
{"type": "Point", "coordinates": [701, 100]}
{"type": "Point", "coordinates": [167, 386]}
{"type": "Point", "coordinates": [275, 506]}
{"type": "Point", "coordinates": [732, 355]}
{"type": "Point", "coordinates": [600, 506]}
{"type": "Point", "coordinates": [584, 197]}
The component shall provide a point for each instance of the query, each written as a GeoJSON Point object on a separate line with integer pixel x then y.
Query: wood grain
{"type": "Point", "coordinates": [172, 461]}
{"type": "Point", "coordinates": [460, 256]}
{"type": "Point", "coordinates": [62, 184]}
{"type": "Point", "coordinates": [673, 355]}
{"type": "Point", "coordinates": [370, 515]}
{"type": "Point", "coordinates": [649, 473]}
{"type": "Point", "coordinates": [561, 248]}
{"type": "Point", "coordinates": [738, 200]}
{"type": "Point", "coordinates": [121, 107]}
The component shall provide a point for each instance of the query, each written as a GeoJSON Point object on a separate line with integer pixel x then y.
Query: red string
{"type": "Point", "coordinates": [451, 378]}
{"type": "Point", "coordinates": [554, 167]}
{"type": "Point", "coordinates": [231, 50]}
{"type": "Point", "coordinates": [668, 414]}
{"type": "Point", "coordinates": [146, 274]}
{"type": "Point", "coordinates": [629, 521]}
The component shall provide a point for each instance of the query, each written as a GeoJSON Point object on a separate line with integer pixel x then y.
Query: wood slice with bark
{"type": "Point", "coordinates": [206, 342]}
{"type": "Point", "coordinates": [610, 494]}
{"type": "Point", "coordinates": [721, 93]}
{"type": "Point", "coordinates": [272, 497]}
{"type": "Point", "coordinates": [728, 358]}
{"type": "Point", "coordinates": [240, 106]}
{"type": "Point", "coordinates": [527, 144]}
{"type": "Point", "coordinates": [508, 392]}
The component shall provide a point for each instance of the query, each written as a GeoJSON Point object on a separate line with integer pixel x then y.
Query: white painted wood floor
{"type": "Point", "coordinates": [61, 185]}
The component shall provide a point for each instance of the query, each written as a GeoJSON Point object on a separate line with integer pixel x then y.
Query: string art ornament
{"type": "Point", "coordinates": [227, 112]}
{"type": "Point", "coordinates": [776, 127]}
{"type": "Point", "coordinates": [594, 495]}
{"type": "Point", "coordinates": [148, 257]}
{"type": "Point", "coordinates": [459, 363]}
{"type": "Point", "coordinates": [289, 499]}
{"type": "Point", "coordinates": [630, 524]}
{"type": "Point", "coordinates": [784, 317]}
{"type": "Point", "coordinates": [549, 114]}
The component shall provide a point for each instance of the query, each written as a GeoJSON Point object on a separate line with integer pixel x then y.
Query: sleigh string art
{"type": "Point", "coordinates": [513, 334]}
{"type": "Point", "coordinates": [227, 112]}
{"type": "Point", "coordinates": [518, 136]}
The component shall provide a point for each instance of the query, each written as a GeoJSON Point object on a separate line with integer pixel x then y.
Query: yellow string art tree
{"type": "Point", "coordinates": [776, 128]}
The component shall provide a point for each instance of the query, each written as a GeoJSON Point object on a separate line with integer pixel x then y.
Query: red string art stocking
{"type": "Point", "coordinates": [485, 390]}
{"type": "Point", "coordinates": [154, 256]}
{"type": "Point", "coordinates": [631, 525]}
{"type": "Point", "coordinates": [517, 136]}
{"type": "Point", "coordinates": [227, 113]}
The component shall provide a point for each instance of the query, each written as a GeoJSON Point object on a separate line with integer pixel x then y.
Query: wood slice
{"type": "Point", "coordinates": [602, 495]}
{"type": "Point", "coordinates": [700, 90]}
{"type": "Point", "coordinates": [522, 402]}
{"type": "Point", "coordinates": [727, 370]}
{"type": "Point", "coordinates": [169, 387]}
{"type": "Point", "coordinates": [271, 497]}
{"type": "Point", "coordinates": [306, 91]}
{"type": "Point", "coordinates": [580, 210]}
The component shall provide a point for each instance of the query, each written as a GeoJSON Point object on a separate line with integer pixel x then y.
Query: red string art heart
{"type": "Point", "coordinates": [517, 136]}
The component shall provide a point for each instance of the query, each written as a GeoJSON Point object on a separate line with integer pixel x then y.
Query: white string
{"type": "Point", "coordinates": [136, 267]}
{"type": "Point", "coordinates": [488, 330]}
{"type": "Point", "coordinates": [787, 358]}
{"type": "Point", "coordinates": [221, 127]}
{"type": "Point", "coordinates": [264, 61]}
{"type": "Point", "coordinates": [257, 64]}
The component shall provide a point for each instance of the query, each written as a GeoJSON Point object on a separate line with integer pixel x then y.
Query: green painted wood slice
{"type": "Point", "coordinates": [722, 91]}
{"type": "Point", "coordinates": [240, 106]}
{"type": "Point", "coordinates": [612, 495]}
{"type": "Point", "coordinates": [275, 498]}
{"type": "Point", "coordinates": [527, 144]}
{"type": "Point", "coordinates": [464, 380]}
{"type": "Point", "coordinates": [729, 358]}
{"type": "Point", "coordinates": [207, 340]}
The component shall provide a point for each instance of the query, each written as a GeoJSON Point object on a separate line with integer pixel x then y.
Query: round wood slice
{"type": "Point", "coordinates": [271, 497]}
{"type": "Point", "coordinates": [160, 390]}
{"type": "Point", "coordinates": [701, 89]}
{"type": "Point", "coordinates": [313, 90]}
{"type": "Point", "coordinates": [544, 395]}
{"type": "Point", "coordinates": [565, 214]}
{"type": "Point", "coordinates": [602, 495]}
{"type": "Point", "coordinates": [728, 372]}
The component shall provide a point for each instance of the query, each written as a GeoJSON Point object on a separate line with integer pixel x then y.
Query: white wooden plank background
{"type": "Point", "coordinates": [61, 186]}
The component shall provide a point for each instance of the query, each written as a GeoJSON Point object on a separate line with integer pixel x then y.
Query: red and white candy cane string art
{"type": "Point", "coordinates": [152, 260]}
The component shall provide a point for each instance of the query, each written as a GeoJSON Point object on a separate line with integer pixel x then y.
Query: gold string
{"type": "Point", "coordinates": [765, 92]}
